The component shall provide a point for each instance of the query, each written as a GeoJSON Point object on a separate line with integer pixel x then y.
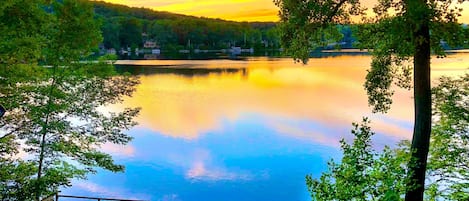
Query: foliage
{"type": "Point", "coordinates": [401, 31]}
{"type": "Point", "coordinates": [130, 33]}
{"type": "Point", "coordinates": [22, 37]}
{"type": "Point", "coordinates": [448, 162]}
{"type": "Point", "coordinates": [169, 30]}
{"type": "Point", "coordinates": [17, 173]}
{"type": "Point", "coordinates": [363, 173]}
{"type": "Point", "coordinates": [392, 38]}
{"type": "Point", "coordinates": [173, 31]}
{"type": "Point", "coordinates": [54, 99]}
{"type": "Point", "coordinates": [307, 25]}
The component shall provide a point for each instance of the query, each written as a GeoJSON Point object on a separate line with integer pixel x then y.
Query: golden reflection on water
{"type": "Point", "coordinates": [328, 91]}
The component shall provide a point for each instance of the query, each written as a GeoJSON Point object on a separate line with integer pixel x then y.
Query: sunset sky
{"type": "Point", "coordinates": [237, 10]}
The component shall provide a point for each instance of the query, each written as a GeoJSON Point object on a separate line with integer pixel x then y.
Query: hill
{"type": "Point", "coordinates": [125, 26]}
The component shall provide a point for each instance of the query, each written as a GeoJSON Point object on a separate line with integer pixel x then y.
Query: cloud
{"type": "Point", "coordinates": [323, 92]}
{"type": "Point", "coordinates": [389, 128]}
{"type": "Point", "coordinates": [118, 150]}
{"type": "Point", "coordinates": [95, 188]}
{"type": "Point", "coordinates": [203, 168]}
{"type": "Point", "coordinates": [199, 171]}
{"type": "Point", "coordinates": [328, 92]}
{"type": "Point", "coordinates": [101, 191]}
{"type": "Point", "coordinates": [169, 197]}
{"type": "Point", "coordinates": [310, 133]}
{"type": "Point", "coordinates": [331, 136]}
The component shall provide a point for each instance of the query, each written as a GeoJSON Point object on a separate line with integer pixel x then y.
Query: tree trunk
{"type": "Point", "coordinates": [422, 107]}
{"type": "Point", "coordinates": [39, 170]}
{"type": "Point", "coordinates": [43, 142]}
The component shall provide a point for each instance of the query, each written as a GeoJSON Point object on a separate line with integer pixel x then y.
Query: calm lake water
{"type": "Point", "coordinates": [242, 130]}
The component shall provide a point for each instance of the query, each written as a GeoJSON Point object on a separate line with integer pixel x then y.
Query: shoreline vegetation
{"type": "Point", "coordinates": [132, 32]}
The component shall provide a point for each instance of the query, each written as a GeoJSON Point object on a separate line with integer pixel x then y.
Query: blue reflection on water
{"type": "Point", "coordinates": [246, 161]}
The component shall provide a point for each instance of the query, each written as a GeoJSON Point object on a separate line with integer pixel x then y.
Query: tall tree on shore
{"type": "Point", "coordinates": [54, 99]}
{"type": "Point", "coordinates": [366, 174]}
{"type": "Point", "coordinates": [401, 32]}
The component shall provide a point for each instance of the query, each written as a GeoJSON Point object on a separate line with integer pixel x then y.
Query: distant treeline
{"type": "Point", "coordinates": [125, 27]}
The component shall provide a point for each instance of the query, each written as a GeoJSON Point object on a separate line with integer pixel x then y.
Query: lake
{"type": "Point", "coordinates": [245, 130]}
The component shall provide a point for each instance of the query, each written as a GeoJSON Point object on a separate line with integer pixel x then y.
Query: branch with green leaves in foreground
{"type": "Point", "coordinates": [56, 123]}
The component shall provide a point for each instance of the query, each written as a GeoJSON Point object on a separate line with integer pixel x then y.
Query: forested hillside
{"type": "Point", "coordinates": [129, 27]}
{"type": "Point", "coordinates": [124, 27]}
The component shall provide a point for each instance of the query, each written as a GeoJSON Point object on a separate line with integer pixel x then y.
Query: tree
{"type": "Point", "coordinates": [174, 31]}
{"type": "Point", "coordinates": [53, 98]}
{"type": "Point", "coordinates": [110, 29]}
{"type": "Point", "coordinates": [161, 32]}
{"type": "Point", "coordinates": [363, 173]}
{"type": "Point", "coordinates": [22, 40]}
{"type": "Point", "coordinates": [366, 174]}
{"type": "Point", "coordinates": [130, 34]}
{"type": "Point", "coordinates": [448, 161]}
{"type": "Point", "coordinates": [403, 31]}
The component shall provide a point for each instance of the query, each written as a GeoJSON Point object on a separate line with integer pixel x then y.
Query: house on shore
{"type": "Point", "coordinates": [149, 44]}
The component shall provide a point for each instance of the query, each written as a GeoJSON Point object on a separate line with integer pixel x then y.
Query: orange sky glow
{"type": "Point", "coordinates": [236, 10]}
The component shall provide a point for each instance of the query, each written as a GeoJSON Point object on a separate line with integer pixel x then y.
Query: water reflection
{"type": "Point", "coordinates": [187, 102]}
{"type": "Point", "coordinates": [245, 130]}
{"type": "Point", "coordinates": [184, 70]}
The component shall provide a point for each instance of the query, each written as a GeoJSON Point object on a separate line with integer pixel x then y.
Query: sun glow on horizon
{"type": "Point", "coordinates": [235, 10]}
